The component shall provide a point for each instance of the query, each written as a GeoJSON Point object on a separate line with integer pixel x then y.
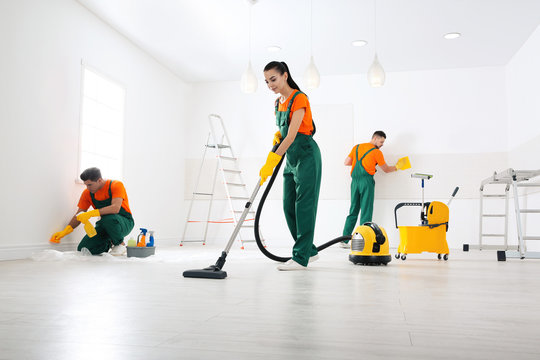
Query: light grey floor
{"type": "Point", "coordinates": [64, 306]}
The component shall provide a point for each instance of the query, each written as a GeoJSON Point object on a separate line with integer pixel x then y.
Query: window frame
{"type": "Point", "coordinates": [85, 66]}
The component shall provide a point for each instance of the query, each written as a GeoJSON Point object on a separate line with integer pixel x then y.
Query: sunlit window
{"type": "Point", "coordinates": [102, 124]}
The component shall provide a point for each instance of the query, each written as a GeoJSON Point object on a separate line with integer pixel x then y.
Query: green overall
{"type": "Point", "coordinates": [362, 195]}
{"type": "Point", "coordinates": [111, 229]}
{"type": "Point", "coordinates": [301, 184]}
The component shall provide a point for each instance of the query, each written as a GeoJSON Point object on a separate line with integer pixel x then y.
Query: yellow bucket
{"type": "Point", "coordinates": [417, 239]}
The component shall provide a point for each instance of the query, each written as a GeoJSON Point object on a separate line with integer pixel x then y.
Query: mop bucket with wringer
{"type": "Point", "coordinates": [430, 235]}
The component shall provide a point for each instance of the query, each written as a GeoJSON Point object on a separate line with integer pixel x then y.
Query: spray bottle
{"type": "Point", "coordinates": [141, 239]}
{"type": "Point", "coordinates": [151, 239]}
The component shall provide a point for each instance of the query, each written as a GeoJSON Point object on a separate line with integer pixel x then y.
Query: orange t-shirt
{"type": "Point", "coordinates": [117, 191]}
{"type": "Point", "coordinates": [300, 101]}
{"type": "Point", "coordinates": [370, 161]}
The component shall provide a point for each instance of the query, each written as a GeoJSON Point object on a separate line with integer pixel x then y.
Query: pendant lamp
{"type": "Point", "coordinates": [312, 77]}
{"type": "Point", "coordinates": [248, 82]}
{"type": "Point", "coordinates": [376, 75]}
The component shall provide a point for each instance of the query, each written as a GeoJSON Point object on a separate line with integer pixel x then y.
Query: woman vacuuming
{"type": "Point", "coordinates": [302, 173]}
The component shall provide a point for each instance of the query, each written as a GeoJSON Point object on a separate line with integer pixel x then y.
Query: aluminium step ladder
{"type": "Point", "coordinates": [509, 179]}
{"type": "Point", "coordinates": [231, 176]}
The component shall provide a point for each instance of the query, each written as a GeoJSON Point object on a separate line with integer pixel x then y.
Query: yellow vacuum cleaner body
{"type": "Point", "coordinates": [369, 245]}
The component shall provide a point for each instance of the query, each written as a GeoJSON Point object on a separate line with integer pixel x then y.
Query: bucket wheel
{"type": "Point", "coordinates": [397, 255]}
{"type": "Point", "coordinates": [403, 256]}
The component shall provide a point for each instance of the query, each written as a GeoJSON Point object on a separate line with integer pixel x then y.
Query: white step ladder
{"type": "Point", "coordinates": [231, 176]}
{"type": "Point", "coordinates": [514, 179]}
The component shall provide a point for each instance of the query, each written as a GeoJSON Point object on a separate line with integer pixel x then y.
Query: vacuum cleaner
{"type": "Point", "coordinates": [361, 255]}
{"type": "Point", "coordinates": [369, 245]}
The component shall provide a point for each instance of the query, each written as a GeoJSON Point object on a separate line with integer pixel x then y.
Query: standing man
{"type": "Point", "coordinates": [364, 158]}
{"type": "Point", "coordinates": [110, 201]}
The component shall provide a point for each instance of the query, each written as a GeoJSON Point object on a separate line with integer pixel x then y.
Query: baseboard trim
{"type": "Point", "coordinates": [25, 251]}
{"type": "Point", "coordinates": [19, 252]}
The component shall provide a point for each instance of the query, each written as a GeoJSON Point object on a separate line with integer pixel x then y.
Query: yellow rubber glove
{"type": "Point", "coordinates": [277, 138]}
{"type": "Point", "coordinates": [84, 216]}
{"type": "Point", "coordinates": [403, 163]}
{"type": "Point", "coordinates": [55, 238]}
{"type": "Point", "coordinates": [271, 162]}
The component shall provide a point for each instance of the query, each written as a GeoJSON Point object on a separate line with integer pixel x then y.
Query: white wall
{"type": "Point", "coordinates": [451, 123]}
{"type": "Point", "coordinates": [523, 92]}
{"type": "Point", "coordinates": [42, 45]}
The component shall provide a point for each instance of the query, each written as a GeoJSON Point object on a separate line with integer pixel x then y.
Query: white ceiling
{"type": "Point", "coordinates": [208, 40]}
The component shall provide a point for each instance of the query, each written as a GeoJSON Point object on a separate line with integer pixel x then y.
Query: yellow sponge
{"type": "Point", "coordinates": [403, 163]}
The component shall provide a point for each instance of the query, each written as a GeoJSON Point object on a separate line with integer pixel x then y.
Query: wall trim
{"type": "Point", "coordinates": [20, 252]}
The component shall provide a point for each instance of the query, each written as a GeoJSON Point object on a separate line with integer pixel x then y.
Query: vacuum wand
{"type": "Point", "coordinates": [216, 271]}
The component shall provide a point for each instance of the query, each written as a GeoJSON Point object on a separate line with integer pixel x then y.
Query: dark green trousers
{"type": "Point", "coordinates": [362, 198]}
{"type": "Point", "coordinates": [301, 185]}
{"type": "Point", "coordinates": [111, 230]}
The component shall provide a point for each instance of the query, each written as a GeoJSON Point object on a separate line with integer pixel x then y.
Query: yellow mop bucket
{"type": "Point", "coordinates": [426, 238]}
{"type": "Point", "coordinates": [430, 236]}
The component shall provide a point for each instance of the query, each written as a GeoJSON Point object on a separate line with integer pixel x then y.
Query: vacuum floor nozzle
{"type": "Point", "coordinates": [211, 272]}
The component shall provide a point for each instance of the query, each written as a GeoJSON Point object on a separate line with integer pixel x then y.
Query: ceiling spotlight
{"type": "Point", "coordinates": [273, 48]}
{"type": "Point", "coordinates": [452, 35]}
{"type": "Point", "coordinates": [359, 43]}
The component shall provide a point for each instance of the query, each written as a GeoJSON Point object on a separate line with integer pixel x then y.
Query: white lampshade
{"type": "Point", "coordinates": [248, 83]}
{"type": "Point", "coordinates": [312, 77]}
{"type": "Point", "coordinates": [376, 74]}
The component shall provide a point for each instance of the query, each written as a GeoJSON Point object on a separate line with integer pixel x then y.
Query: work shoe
{"type": "Point", "coordinates": [118, 250]}
{"type": "Point", "coordinates": [344, 245]}
{"type": "Point", "coordinates": [291, 265]}
{"type": "Point", "coordinates": [313, 258]}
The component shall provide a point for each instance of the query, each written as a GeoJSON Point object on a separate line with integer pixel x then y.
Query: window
{"type": "Point", "coordinates": [102, 124]}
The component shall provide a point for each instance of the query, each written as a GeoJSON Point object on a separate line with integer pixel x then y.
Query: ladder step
{"type": "Point", "coordinates": [493, 235]}
{"type": "Point", "coordinates": [241, 211]}
{"type": "Point", "coordinates": [185, 241]}
{"type": "Point", "coordinates": [494, 196]}
{"type": "Point", "coordinates": [494, 215]}
{"type": "Point", "coordinates": [531, 238]}
{"type": "Point", "coordinates": [530, 211]}
{"type": "Point", "coordinates": [231, 171]}
{"type": "Point", "coordinates": [219, 146]}
{"type": "Point", "coordinates": [248, 226]}
{"type": "Point", "coordinates": [238, 198]}
{"type": "Point", "coordinates": [201, 193]}
{"type": "Point", "coordinates": [228, 158]}
{"type": "Point", "coordinates": [235, 184]}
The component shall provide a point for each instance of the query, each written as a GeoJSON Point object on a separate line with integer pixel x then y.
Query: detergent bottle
{"type": "Point", "coordinates": [151, 239]}
{"type": "Point", "coordinates": [141, 239]}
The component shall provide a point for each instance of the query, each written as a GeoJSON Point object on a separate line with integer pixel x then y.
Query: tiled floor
{"type": "Point", "coordinates": [64, 306]}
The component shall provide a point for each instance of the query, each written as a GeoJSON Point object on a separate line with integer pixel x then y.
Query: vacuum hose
{"type": "Point", "coordinates": [267, 253]}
